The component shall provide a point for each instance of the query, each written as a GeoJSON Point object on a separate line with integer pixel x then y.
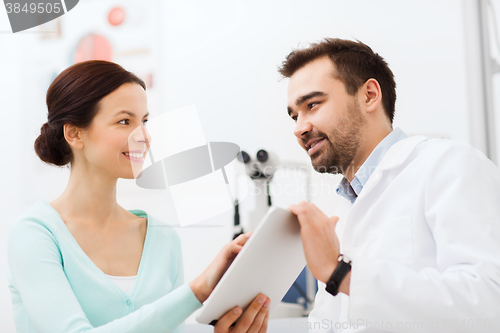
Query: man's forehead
{"type": "Point", "coordinates": [315, 76]}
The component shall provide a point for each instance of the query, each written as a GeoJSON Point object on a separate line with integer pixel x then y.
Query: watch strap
{"type": "Point", "coordinates": [343, 267]}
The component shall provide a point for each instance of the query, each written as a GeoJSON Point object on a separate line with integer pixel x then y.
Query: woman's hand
{"type": "Point", "coordinates": [203, 285]}
{"type": "Point", "coordinates": [253, 320]}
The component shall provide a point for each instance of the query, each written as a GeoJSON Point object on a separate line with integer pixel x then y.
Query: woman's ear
{"type": "Point", "coordinates": [372, 95]}
{"type": "Point", "coordinates": [73, 136]}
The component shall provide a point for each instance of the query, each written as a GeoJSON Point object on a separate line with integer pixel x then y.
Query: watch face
{"type": "Point", "coordinates": [345, 259]}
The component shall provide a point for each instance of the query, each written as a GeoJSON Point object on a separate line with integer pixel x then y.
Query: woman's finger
{"type": "Point", "coordinates": [242, 239]}
{"type": "Point", "coordinates": [259, 319]}
{"type": "Point", "coordinates": [248, 317]}
{"type": "Point", "coordinates": [263, 327]}
{"type": "Point", "coordinates": [227, 320]}
{"type": "Point", "coordinates": [234, 247]}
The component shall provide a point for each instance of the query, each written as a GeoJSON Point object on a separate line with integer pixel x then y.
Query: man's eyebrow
{"type": "Point", "coordinates": [304, 98]}
{"type": "Point", "coordinates": [131, 114]}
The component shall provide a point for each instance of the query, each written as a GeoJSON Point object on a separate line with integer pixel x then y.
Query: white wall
{"type": "Point", "coordinates": [222, 56]}
{"type": "Point", "coordinates": [225, 56]}
{"type": "Point", "coordinates": [494, 34]}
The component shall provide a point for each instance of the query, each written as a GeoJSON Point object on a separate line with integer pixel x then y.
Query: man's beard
{"type": "Point", "coordinates": [336, 158]}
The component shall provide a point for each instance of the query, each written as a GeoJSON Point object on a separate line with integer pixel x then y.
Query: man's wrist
{"type": "Point", "coordinates": [337, 281]}
{"type": "Point", "coordinates": [327, 272]}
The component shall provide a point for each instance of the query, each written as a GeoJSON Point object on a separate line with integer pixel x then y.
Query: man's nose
{"type": "Point", "coordinates": [302, 128]}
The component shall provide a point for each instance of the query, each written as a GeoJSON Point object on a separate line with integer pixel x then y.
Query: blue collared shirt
{"type": "Point", "coordinates": [351, 191]}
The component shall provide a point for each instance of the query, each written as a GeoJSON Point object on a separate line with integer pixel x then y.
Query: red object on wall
{"type": "Point", "coordinates": [116, 16]}
{"type": "Point", "coordinates": [93, 47]}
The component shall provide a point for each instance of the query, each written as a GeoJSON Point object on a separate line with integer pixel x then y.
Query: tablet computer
{"type": "Point", "coordinates": [269, 263]}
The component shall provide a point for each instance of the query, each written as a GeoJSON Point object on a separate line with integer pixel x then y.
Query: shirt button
{"type": "Point", "coordinates": [129, 302]}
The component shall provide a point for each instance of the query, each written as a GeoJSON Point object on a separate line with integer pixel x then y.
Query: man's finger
{"type": "Point", "coordinates": [334, 219]}
{"type": "Point", "coordinates": [297, 210]}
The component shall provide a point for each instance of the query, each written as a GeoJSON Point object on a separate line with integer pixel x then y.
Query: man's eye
{"type": "Point", "coordinates": [313, 104]}
{"type": "Point", "coordinates": [294, 118]}
{"type": "Point", "coordinates": [145, 121]}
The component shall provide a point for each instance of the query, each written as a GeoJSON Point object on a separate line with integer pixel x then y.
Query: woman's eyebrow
{"type": "Point", "coordinates": [131, 114]}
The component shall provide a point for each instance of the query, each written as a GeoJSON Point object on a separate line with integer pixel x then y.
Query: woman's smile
{"type": "Point", "coordinates": [135, 156]}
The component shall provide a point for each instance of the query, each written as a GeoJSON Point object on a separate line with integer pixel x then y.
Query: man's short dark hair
{"type": "Point", "coordinates": [354, 63]}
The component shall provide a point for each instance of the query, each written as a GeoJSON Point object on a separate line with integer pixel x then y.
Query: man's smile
{"type": "Point", "coordinates": [314, 146]}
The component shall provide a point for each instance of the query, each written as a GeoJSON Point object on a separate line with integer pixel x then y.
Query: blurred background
{"type": "Point", "coordinates": [222, 57]}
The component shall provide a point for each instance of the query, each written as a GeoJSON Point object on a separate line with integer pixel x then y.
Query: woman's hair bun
{"type": "Point", "coordinates": [51, 146]}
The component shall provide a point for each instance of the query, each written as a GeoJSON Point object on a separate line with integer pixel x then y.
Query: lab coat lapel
{"type": "Point", "coordinates": [394, 157]}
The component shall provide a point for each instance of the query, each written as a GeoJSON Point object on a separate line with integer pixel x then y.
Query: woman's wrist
{"type": "Point", "coordinates": [200, 289]}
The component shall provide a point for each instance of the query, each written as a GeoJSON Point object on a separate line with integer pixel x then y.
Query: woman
{"type": "Point", "coordinates": [82, 263]}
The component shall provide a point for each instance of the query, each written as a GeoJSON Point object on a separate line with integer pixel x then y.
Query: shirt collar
{"type": "Point", "coordinates": [351, 191]}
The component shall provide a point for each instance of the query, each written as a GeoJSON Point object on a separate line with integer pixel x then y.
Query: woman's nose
{"type": "Point", "coordinates": [140, 134]}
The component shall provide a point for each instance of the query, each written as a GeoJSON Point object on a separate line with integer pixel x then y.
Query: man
{"type": "Point", "coordinates": [421, 222]}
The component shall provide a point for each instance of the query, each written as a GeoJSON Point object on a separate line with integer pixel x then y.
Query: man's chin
{"type": "Point", "coordinates": [320, 168]}
{"type": "Point", "coordinates": [325, 167]}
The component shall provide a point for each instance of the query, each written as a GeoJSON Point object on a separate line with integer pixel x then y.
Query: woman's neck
{"type": "Point", "coordinates": [90, 197]}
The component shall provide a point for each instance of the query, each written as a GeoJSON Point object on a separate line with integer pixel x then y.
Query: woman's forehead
{"type": "Point", "coordinates": [129, 97]}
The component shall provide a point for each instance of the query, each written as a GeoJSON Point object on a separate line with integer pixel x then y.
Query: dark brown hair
{"type": "Point", "coordinates": [73, 98]}
{"type": "Point", "coordinates": [354, 63]}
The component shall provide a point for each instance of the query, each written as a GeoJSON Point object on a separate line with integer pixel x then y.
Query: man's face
{"type": "Point", "coordinates": [328, 120]}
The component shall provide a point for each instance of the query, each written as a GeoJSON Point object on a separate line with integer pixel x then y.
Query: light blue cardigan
{"type": "Point", "coordinates": [55, 287]}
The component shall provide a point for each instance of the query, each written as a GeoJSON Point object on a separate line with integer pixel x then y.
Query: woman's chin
{"type": "Point", "coordinates": [134, 173]}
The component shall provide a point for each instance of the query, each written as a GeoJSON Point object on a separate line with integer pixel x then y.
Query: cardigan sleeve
{"type": "Point", "coordinates": [36, 270]}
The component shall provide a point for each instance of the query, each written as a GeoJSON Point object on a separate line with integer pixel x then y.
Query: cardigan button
{"type": "Point", "coordinates": [129, 302]}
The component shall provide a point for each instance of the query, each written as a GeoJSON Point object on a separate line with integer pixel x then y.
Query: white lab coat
{"type": "Point", "coordinates": [424, 239]}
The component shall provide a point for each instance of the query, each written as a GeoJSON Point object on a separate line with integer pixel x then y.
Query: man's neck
{"type": "Point", "coordinates": [372, 138]}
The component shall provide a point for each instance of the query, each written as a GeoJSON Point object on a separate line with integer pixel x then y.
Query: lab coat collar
{"type": "Point", "coordinates": [395, 156]}
{"type": "Point", "coordinates": [351, 190]}
{"type": "Point", "coordinates": [400, 152]}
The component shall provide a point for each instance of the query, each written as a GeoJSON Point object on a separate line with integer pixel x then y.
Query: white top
{"type": "Point", "coordinates": [124, 282]}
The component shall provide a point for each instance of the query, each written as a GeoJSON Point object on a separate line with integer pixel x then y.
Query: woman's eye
{"type": "Point", "coordinates": [144, 121]}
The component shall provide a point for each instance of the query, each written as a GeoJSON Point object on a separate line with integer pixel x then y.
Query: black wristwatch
{"type": "Point", "coordinates": [343, 267]}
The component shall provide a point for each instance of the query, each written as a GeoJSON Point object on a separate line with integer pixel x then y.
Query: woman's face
{"type": "Point", "coordinates": [116, 131]}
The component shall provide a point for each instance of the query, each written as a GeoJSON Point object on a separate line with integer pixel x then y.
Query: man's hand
{"type": "Point", "coordinates": [320, 242]}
